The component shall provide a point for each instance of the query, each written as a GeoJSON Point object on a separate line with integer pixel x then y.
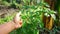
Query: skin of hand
{"type": "Point", "coordinates": [9, 26]}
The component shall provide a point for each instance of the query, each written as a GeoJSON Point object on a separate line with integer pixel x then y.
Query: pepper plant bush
{"type": "Point", "coordinates": [32, 18]}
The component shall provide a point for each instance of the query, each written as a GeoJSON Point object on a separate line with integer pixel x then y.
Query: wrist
{"type": "Point", "coordinates": [13, 24]}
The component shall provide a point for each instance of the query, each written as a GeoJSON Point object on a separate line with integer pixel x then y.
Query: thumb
{"type": "Point", "coordinates": [17, 17]}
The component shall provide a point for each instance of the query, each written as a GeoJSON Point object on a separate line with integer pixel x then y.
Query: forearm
{"type": "Point", "coordinates": [6, 28]}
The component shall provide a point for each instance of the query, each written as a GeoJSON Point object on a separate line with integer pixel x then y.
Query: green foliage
{"type": "Point", "coordinates": [20, 3]}
{"type": "Point", "coordinates": [32, 17]}
{"type": "Point", "coordinates": [5, 3]}
{"type": "Point", "coordinates": [57, 8]}
{"type": "Point", "coordinates": [6, 19]}
{"type": "Point", "coordinates": [25, 1]}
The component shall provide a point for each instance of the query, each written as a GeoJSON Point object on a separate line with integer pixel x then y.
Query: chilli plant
{"type": "Point", "coordinates": [32, 18]}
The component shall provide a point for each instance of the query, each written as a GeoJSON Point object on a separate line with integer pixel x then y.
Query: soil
{"type": "Point", "coordinates": [5, 11]}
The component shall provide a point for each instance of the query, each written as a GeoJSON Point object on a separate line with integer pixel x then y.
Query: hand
{"type": "Point", "coordinates": [17, 20]}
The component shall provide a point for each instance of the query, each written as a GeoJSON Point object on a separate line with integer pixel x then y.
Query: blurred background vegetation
{"type": "Point", "coordinates": [39, 16]}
